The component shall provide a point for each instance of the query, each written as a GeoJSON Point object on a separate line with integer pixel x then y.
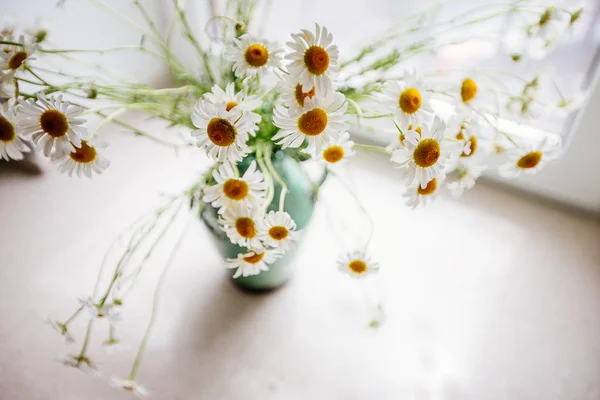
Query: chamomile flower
{"type": "Point", "coordinates": [569, 104]}
{"type": "Point", "coordinates": [466, 131]}
{"type": "Point", "coordinates": [423, 156]}
{"type": "Point", "coordinates": [82, 363]}
{"type": "Point", "coordinates": [62, 329]}
{"type": "Point", "coordinates": [464, 178]}
{"type": "Point", "coordinates": [468, 94]}
{"type": "Point", "coordinates": [130, 386]}
{"type": "Point", "coordinates": [278, 229]}
{"type": "Point", "coordinates": [252, 56]}
{"type": "Point", "coordinates": [241, 224]}
{"type": "Point", "coordinates": [247, 190]}
{"type": "Point", "coordinates": [246, 103]}
{"type": "Point", "coordinates": [320, 120]}
{"type": "Point", "coordinates": [529, 159]}
{"type": "Point", "coordinates": [399, 136]}
{"type": "Point", "coordinates": [108, 311]}
{"type": "Point", "coordinates": [12, 145]}
{"type": "Point", "coordinates": [15, 57]}
{"type": "Point", "coordinates": [84, 160]}
{"type": "Point", "coordinates": [222, 133]}
{"type": "Point", "coordinates": [357, 264]}
{"type": "Point", "coordinates": [337, 150]}
{"type": "Point", "coordinates": [253, 262]}
{"type": "Point", "coordinates": [416, 196]}
{"type": "Point", "coordinates": [291, 93]}
{"type": "Point", "coordinates": [314, 59]}
{"type": "Point", "coordinates": [550, 25]}
{"type": "Point", "coordinates": [54, 126]}
{"type": "Point", "coordinates": [407, 99]}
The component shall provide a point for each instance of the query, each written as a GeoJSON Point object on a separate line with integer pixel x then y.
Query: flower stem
{"type": "Point", "coordinates": [368, 147]}
{"type": "Point", "coordinates": [86, 342]}
{"type": "Point", "coordinates": [268, 177]}
{"type": "Point", "coordinates": [278, 178]}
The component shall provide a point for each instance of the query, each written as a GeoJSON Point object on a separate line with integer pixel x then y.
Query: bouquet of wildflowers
{"type": "Point", "coordinates": [254, 98]}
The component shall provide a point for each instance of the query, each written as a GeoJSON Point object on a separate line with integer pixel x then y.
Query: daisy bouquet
{"type": "Point", "coordinates": [254, 100]}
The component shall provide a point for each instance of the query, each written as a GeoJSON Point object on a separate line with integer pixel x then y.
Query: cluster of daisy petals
{"type": "Point", "coordinates": [48, 124]}
{"type": "Point", "coordinates": [310, 116]}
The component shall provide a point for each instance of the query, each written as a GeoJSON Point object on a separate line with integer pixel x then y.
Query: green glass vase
{"type": "Point", "coordinates": [299, 203]}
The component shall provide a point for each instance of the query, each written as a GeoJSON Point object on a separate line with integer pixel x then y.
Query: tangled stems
{"type": "Point", "coordinates": [273, 171]}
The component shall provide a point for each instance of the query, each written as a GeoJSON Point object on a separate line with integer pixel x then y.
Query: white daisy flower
{"type": "Point", "coordinates": [423, 157]}
{"type": "Point", "coordinates": [416, 196]}
{"type": "Point", "coordinates": [313, 59]}
{"type": "Point", "coordinates": [320, 120]}
{"type": "Point", "coordinates": [337, 150]}
{"type": "Point", "coordinates": [54, 125]}
{"type": "Point", "coordinates": [222, 133]}
{"type": "Point", "coordinates": [12, 145]}
{"type": "Point", "coordinates": [62, 329]}
{"type": "Point", "coordinates": [253, 56]}
{"type": "Point", "coordinates": [241, 223]}
{"type": "Point", "coordinates": [83, 363]}
{"type": "Point", "coordinates": [84, 160]}
{"type": "Point", "coordinates": [407, 99]}
{"type": "Point", "coordinates": [246, 103]}
{"type": "Point", "coordinates": [464, 178]}
{"type": "Point", "coordinates": [529, 159]}
{"type": "Point", "coordinates": [357, 264]}
{"type": "Point", "coordinates": [467, 131]}
{"type": "Point", "coordinates": [252, 263]}
{"type": "Point", "coordinates": [247, 190]}
{"type": "Point", "coordinates": [398, 142]}
{"type": "Point", "coordinates": [129, 385]}
{"type": "Point", "coordinates": [551, 24]}
{"type": "Point", "coordinates": [113, 345]}
{"type": "Point", "coordinates": [15, 57]}
{"type": "Point", "coordinates": [7, 87]}
{"type": "Point", "coordinates": [108, 311]}
{"type": "Point", "coordinates": [569, 104]}
{"type": "Point", "coordinates": [291, 93]}
{"type": "Point", "coordinates": [278, 229]}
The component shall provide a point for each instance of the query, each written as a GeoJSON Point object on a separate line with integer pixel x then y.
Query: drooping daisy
{"type": "Point", "coordinates": [550, 25]}
{"type": "Point", "coordinates": [278, 229]}
{"type": "Point", "coordinates": [320, 120]}
{"type": "Point", "coordinates": [407, 99]}
{"type": "Point", "coordinates": [247, 190]}
{"type": "Point", "coordinates": [464, 178]}
{"type": "Point", "coordinates": [12, 145]}
{"type": "Point", "coordinates": [253, 262]}
{"type": "Point", "coordinates": [423, 157]}
{"type": "Point", "coordinates": [529, 159]}
{"type": "Point", "coordinates": [62, 329]}
{"type": "Point", "coordinates": [246, 103]}
{"type": "Point", "coordinates": [416, 196]}
{"type": "Point", "coordinates": [314, 59]}
{"type": "Point", "coordinates": [84, 160]}
{"type": "Point", "coordinates": [222, 133]}
{"type": "Point", "coordinates": [357, 264]}
{"type": "Point", "coordinates": [241, 224]}
{"type": "Point", "coordinates": [251, 56]}
{"type": "Point", "coordinates": [466, 131]}
{"type": "Point", "coordinates": [82, 363]}
{"type": "Point", "coordinates": [108, 311]}
{"type": "Point", "coordinates": [54, 125]}
{"type": "Point", "coordinates": [337, 150]}
{"type": "Point", "coordinates": [129, 385]}
{"type": "Point", "coordinates": [398, 142]}
{"type": "Point", "coordinates": [15, 57]}
{"type": "Point", "coordinates": [291, 93]}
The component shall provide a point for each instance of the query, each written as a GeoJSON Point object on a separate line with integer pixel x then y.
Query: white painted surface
{"type": "Point", "coordinates": [492, 297]}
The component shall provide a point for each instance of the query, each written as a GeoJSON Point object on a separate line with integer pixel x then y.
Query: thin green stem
{"type": "Point", "coordinates": [270, 186]}
{"type": "Point", "coordinates": [368, 147]}
{"type": "Point", "coordinates": [72, 317]}
{"type": "Point", "coordinates": [161, 280]}
{"type": "Point", "coordinates": [278, 178]}
{"type": "Point", "coordinates": [86, 342]}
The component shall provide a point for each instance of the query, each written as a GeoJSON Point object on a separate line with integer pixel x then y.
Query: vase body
{"type": "Point", "coordinates": [299, 203]}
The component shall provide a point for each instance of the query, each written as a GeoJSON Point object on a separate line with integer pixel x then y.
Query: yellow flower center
{"type": "Point", "coordinates": [410, 100]}
{"type": "Point", "coordinates": [316, 60]}
{"type": "Point", "coordinates": [253, 259]}
{"type": "Point", "coordinates": [235, 189]}
{"type": "Point", "coordinates": [17, 60]}
{"type": "Point", "coordinates": [84, 154]}
{"type": "Point", "coordinates": [468, 90]}
{"type": "Point", "coordinates": [333, 154]}
{"type": "Point", "coordinates": [313, 122]}
{"type": "Point", "coordinates": [54, 123]}
{"type": "Point", "coordinates": [278, 232]}
{"type": "Point", "coordinates": [245, 227]}
{"type": "Point", "coordinates": [473, 141]}
{"type": "Point", "coordinates": [221, 132]}
{"type": "Point", "coordinates": [256, 55]}
{"type": "Point", "coordinates": [230, 105]}
{"type": "Point", "coordinates": [300, 95]}
{"type": "Point", "coordinates": [530, 160]}
{"type": "Point", "coordinates": [429, 189]}
{"type": "Point", "coordinates": [7, 130]}
{"type": "Point", "coordinates": [358, 266]}
{"type": "Point", "coordinates": [427, 153]}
